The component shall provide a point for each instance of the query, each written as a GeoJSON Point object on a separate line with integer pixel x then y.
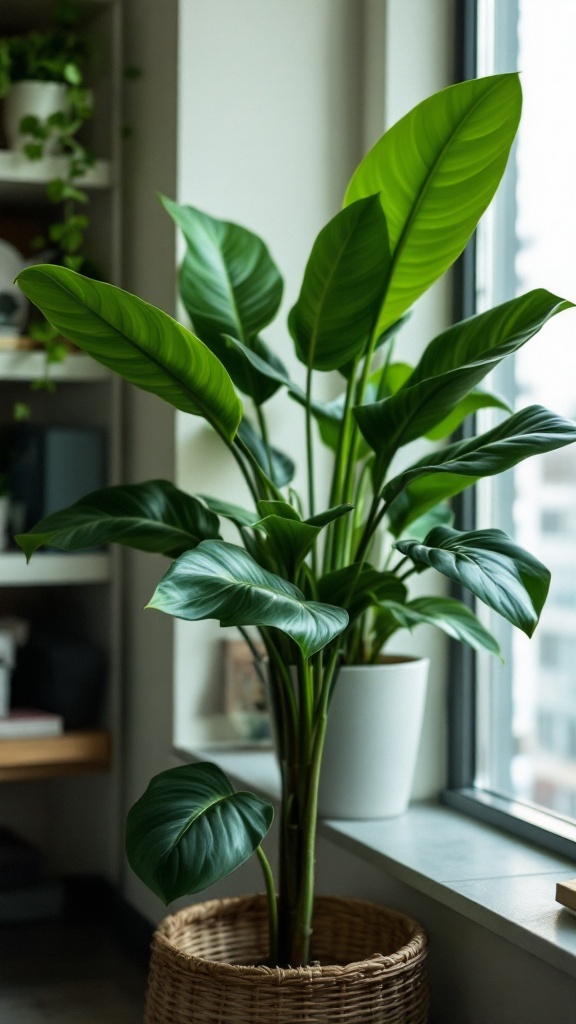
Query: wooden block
{"type": "Point", "coordinates": [566, 894]}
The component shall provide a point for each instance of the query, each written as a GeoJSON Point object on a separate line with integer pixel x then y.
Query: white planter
{"type": "Point", "coordinates": [40, 99]}
{"type": "Point", "coordinates": [374, 725]}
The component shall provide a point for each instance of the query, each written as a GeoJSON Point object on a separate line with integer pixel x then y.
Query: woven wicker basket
{"type": "Point", "coordinates": [201, 969]}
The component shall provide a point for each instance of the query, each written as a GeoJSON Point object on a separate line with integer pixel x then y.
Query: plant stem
{"type": "Point", "coordinates": [309, 443]}
{"type": "Point", "coordinates": [265, 439]}
{"type": "Point", "coordinates": [272, 903]}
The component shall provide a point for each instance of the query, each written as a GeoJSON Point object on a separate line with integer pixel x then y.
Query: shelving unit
{"type": "Point", "coordinates": [74, 595]}
{"type": "Point", "coordinates": [51, 756]}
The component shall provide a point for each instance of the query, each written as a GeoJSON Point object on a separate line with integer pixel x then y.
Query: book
{"type": "Point", "coordinates": [23, 722]}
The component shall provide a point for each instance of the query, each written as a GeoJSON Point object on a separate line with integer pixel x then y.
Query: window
{"type": "Point", "coordinates": [514, 744]}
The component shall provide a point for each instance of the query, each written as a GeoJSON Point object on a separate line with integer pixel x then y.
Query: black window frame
{"type": "Point", "coordinates": [549, 830]}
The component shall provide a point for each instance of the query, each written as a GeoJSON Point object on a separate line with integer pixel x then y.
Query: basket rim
{"type": "Point", "coordinates": [411, 953]}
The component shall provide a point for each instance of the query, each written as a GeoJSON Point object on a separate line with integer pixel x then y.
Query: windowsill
{"type": "Point", "coordinates": [503, 883]}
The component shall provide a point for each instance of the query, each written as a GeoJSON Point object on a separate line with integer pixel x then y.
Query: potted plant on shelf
{"type": "Point", "coordinates": [41, 74]}
{"type": "Point", "coordinates": [323, 580]}
{"type": "Point", "coordinates": [45, 105]}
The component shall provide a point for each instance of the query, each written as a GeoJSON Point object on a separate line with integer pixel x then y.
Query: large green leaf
{"type": "Point", "coordinates": [489, 564]}
{"type": "Point", "coordinates": [221, 581]}
{"type": "Point", "coordinates": [452, 617]}
{"type": "Point", "coordinates": [139, 342]}
{"type": "Point", "coordinates": [451, 366]}
{"type": "Point", "coordinates": [342, 289]}
{"type": "Point", "coordinates": [190, 829]}
{"type": "Point", "coordinates": [530, 431]}
{"type": "Point", "coordinates": [437, 170]}
{"type": "Point", "coordinates": [229, 283]}
{"type": "Point", "coordinates": [153, 516]}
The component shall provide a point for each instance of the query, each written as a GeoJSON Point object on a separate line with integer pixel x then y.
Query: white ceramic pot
{"type": "Point", "coordinates": [40, 99]}
{"type": "Point", "coordinates": [374, 726]}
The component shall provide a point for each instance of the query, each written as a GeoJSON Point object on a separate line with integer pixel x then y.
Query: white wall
{"type": "Point", "coordinates": [269, 132]}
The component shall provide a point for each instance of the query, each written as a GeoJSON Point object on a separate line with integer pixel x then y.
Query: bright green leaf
{"type": "Point", "coordinates": [333, 318]}
{"type": "Point", "coordinates": [139, 342]}
{"type": "Point", "coordinates": [228, 282]}
{"type": "Point", "coordinates": [437, 170]}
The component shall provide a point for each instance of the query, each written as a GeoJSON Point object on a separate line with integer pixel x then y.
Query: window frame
{"type": "Point", "coordinates": [552, 831]}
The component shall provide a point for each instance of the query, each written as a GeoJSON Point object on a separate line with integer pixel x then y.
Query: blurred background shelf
{"type": "Point", "coordinates": [72, 753]}
{"type": "Point", "coordinates": [19, 364]}
{"type": "Point", "coordinates": [53, 568]}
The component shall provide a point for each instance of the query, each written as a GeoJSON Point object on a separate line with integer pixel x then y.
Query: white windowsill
{"type": "Point", "coordinates": [502, 883]}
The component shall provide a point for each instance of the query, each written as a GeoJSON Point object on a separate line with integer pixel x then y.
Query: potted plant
{"type": "Point", "coordinates": [323, 580]}
{"type": "Point", "coordinates": [41, 81]}
{"type": "Point", "coordinates": [45, 105]}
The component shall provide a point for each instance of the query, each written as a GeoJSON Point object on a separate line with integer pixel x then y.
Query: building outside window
{"type": "Point", "coordinates": [524, 732]}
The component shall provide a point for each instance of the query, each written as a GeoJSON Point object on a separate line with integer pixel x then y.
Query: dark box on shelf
{"type": "Point", "coordinates": [50, 467]}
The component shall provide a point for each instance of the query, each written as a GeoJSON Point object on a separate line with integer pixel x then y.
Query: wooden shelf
{"type": "Point", "coordinates": [40, 757]}
{"type": "Point", "coordinates": [47, 568]}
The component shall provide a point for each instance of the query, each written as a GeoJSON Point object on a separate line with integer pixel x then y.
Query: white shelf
{"type": "Point", "coordinates": [22, 365]}
{"type": "Point", "coordinates": [53, 569]}
{"type": "Point", "coordinates": [17, 170]}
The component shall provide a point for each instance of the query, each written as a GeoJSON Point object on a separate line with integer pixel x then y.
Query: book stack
{"type": "Point", "coordinates": [21, 723]}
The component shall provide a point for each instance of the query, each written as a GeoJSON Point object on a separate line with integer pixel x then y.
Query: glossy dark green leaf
{"type": "Point", "coordinates": [384, 338]}
{"type": "Point", "coordinates": [228, 510]}
{"type": "Point", "coordinates": [278, 466]}
{"type": "Point", "coordinates": [229, 283]}
{"type": "Point", "coordinates": [191, 828]}
{"type": "Point", "coordinates": [246, 376]}
{"type": "Point", "coordinates": [356, 588]}
{"type": "Point", "coordinates": [342, 289]}
{"type": "Point", "coordinates": [437, 170]}
{"type": "Point", "coordinates": [493, 567]}
{"type": "Point", "coordinates": [153, 516]}
{"type": "Point", "coordinates": [450, 368]}
{"type": "Point", "coordinates": [440, 515]}
{"type": "Point", "coordinates": [278, 508]}
{"type": "Point", "coordinates": [452, 617]}
{"type": "Point", "coordinates": [221, 581]}
{"type": "Point", "coordinates": [290, 541]}
{"type": "Point", "coordinates": [329, 515]}
{"type": "Point", "coordinates": [477, 399]}
{"type": "Point", "coordinates": [139, 342]}
{"type": "Point", "coordinates": [529, 432]}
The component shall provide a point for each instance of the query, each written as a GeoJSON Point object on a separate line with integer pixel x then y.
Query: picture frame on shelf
{"type": "Point", "coordinates": [245, 700]}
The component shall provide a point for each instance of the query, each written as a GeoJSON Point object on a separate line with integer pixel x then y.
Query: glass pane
{"type": "Point", "coordinates": [527, 708]}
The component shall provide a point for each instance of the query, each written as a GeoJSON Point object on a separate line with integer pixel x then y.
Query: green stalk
{"type": "Point", "coordinates": [272, 904]}
{"type": "Point", "coordinates": [265, 438]}
{"type": "Point", "coordinates": [267, 486]}
{"type": "Point", "coordinates": [309, 443]}
{"type": "Point", "coordinates": [300, 949]}
{"type": "Point", "coordinates": [338, 475]}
